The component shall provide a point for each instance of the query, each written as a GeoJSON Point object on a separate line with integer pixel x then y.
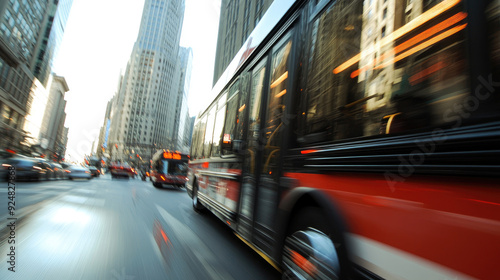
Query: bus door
{"type": "Point", "coordinates": [266, 126]}
{"type": "Point", "coordinates": [252, 152]}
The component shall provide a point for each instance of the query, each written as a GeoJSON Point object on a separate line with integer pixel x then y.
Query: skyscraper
{"type": "Point", "coordinates": [51, 38]}
{"type": "Point", "coordinates": [182, 125]}
{"type": "Point", "coordinates": [54, 116]}
{"type": "Point", "coordinates": [144, 110]}
{"type": "Point", "coordinates": [237, 20]}
{"type": "Point", "coordinates": [30, 33]}
{"type": "Point", "coordinates": [104, 132]}
{"type": "Point", "coordinates": [19, 26]}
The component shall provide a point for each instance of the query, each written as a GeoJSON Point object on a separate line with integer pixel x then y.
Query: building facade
{"type": "Point", "coordinates": [144, 109]}
{"type": "Point", "coordinates": [237, 20]}
{"type": "Point", "coordinates": [45, 117]}
{"type": "Point", "coordinates": [182, 124]}
{"type": "Point", "coordinates": [51, 38]}
{"type": "Point", "coordinates": [52, 128]}
{"type": "Point", "coordinates": [30, 33]}
{"type": "Point", "coordinates": [102, 144]}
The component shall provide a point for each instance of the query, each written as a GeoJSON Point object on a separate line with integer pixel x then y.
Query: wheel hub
{"type": "Point", "coordinates": [310, 254]}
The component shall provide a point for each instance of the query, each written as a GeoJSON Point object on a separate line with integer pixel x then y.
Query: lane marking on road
{"type": "Point", "coordinates": [21, 189]}
{"type": "Point", "coordinates": [25, 195]}
{"type": "Point", "coordinates": [75, 199]}
{"type": "Point", "coordinates": [85, 191]}
{"type": "Point", "coordinates": [191, 241]}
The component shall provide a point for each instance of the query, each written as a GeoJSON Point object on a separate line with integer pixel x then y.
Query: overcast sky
{"type": "Point", "coordinates": [97, 43]}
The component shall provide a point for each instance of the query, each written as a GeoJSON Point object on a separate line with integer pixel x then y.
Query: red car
{"type": "Point", "coordinates": [121, 170]}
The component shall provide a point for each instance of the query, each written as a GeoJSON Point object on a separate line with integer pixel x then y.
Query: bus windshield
{"type": "Point", "coordinates": [174, 167]}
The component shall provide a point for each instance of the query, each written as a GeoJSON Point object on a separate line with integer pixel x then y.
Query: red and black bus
{"type": "Point", "coordinates": [169, 168]}
{"type": "Point", "coordinates": [360, 138]}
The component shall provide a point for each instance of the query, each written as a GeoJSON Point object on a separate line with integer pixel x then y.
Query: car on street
{"type": "Point", "coordinates": [78, 172]}
{"type": "Point", "coordinates": [58, 170]}
{"type": "Point", "coordinates": [121, 170]}
{"type": "Point", "coordinates": [94, 171]}
{"type": "Point", "coordinates": [26, 168]}
{"type": "Point", "coordinates": [47, 167]}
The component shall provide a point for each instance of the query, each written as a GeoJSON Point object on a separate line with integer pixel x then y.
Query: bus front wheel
{"type": "Point", "coordinates": [197, 206]}
{"type": "Point", "coordinates": [309, 251]}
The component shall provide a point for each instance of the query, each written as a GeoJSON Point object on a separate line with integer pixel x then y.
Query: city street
{"type": "Point", "coordinates": [117, 229]}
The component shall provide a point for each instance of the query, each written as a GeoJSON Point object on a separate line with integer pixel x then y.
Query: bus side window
{"type": "Point", "coordinates": [493, 17]}
{"type": "Point", "coordinates": [201, 137]}
{"type": "Point", "coordinates": [241, 114]}
{"type": "Point", "coordinates": [158, 167]}
{"type": "Point", "coordinates": [231, 119]}
{"type": "Point", "coordinates": [332, 105]}
{"type": "Point", "coordinates": [196, 135]}
{"type": "Point", "coordinates": [276, 108]}
{"type": "Point", "coordinates": [219, 125]}
{"type": "Point", "coordinates": [362, 81]}
{"type": "Point", "coordinates": [254, 111]}
{"type": "Point", "coordinates": [209, 133]}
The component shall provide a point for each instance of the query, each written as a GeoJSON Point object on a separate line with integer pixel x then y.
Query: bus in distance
{"type": "Point", "coordinates": [169, 168]}
{"type": "Point", "coordinates": [360, 139]}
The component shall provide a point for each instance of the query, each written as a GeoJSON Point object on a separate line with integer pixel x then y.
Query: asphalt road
{"type": "Point", "coordinates": [116, 229]}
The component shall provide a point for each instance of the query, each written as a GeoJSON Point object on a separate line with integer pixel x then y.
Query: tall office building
{"type": "Point", "coordinates": [26, 28]}
{"type": "Point", "coordinates": [182, 124]}
{"type": "Point", "coordinates": [62, 143]}
{"type": "Point", "coordinates": [19, 25]}
{"type": "Point", "coordinates": [51, 38]}
{"type": "Point", "coordinates": [144, 109]}
{"type": "Point", "coordinates": [102, 144]}
{"type": "Point", "coordinates": [54, 117]}
{"type": "Point", "coordinates": [237, 20]}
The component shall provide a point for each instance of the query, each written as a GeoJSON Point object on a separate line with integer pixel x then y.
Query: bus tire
{"type": "Point", "coordinates": [310, 241]}
{"type": "Point", "coordinates": [197, 206]}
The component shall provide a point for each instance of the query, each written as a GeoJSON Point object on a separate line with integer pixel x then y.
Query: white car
{"type": "Point", "coordinates": [78, 172]}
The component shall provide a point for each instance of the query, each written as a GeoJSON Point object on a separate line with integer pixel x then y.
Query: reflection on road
{"type": "Point", "coordinates": [120, 229]}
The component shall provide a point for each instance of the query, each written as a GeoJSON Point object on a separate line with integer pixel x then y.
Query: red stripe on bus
{"type": "Point", "coordinates": [450, 221]}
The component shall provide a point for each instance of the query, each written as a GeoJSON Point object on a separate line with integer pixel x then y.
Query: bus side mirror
{"type": "Point", "coordinates": [227, 142]}
{"type": "Point", "coordinates": [227, 145]}
{"type": "Point", "coordinates": [232, 146]}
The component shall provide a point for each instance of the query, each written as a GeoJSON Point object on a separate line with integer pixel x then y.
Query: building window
{"type": "Point", "coordinates": [408, 18]}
